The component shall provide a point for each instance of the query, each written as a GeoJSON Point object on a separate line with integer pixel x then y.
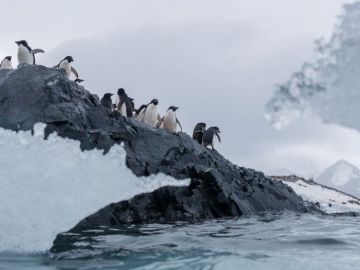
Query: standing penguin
{"type": "Point", "coordinates": [6, 63]}
{"type": "Point", "coordinates": [25, 54]}
{"type": "Point", "coordinates": [150, 115]}
{"type": "Point", "coordinates": [124, 106]}
{"type": "Point", "coordinates": [199, 132]}
{"type": "Point", "coordinates": [170, 121]}
{"type": "Point", "coordinates": [106, 102]}
{"type": "Point", "coordinates": [208, 138]}
{"type": "Point", "coordinates": [69, 69]}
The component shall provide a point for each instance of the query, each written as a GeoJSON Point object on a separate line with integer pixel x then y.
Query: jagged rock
{"type": "Point", "coordinates": [218, 188]}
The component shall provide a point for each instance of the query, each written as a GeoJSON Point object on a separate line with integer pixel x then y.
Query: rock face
{"type": "Point", "coordinates": [218, 188]}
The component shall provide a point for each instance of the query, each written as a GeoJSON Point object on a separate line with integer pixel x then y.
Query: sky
{"type": "Point", "coordinates": [217, 60]}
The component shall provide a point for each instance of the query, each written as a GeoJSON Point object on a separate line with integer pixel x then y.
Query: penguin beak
{"type": "Point", "coordinates": [17, 42]}
{"type": "Point", "coordinates": [175, 108]}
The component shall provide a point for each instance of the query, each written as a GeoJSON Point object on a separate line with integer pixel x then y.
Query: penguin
{"type": "Point", "coordinates": [199, 132]}
{"type": "Point", "coordinates": [6, 63]}
{"type": "Point", "coordinates": [25, 54]}
{"type": "Point", "coordinates": [208, 137]}
{"type": "Point", "coordinates": [66, 65]}
{"type": "Point", "coordinates": [106, 102]}
{"type": "Point", "coordinates": [124, 106]}
{"type": "Point", "coordinates": [170, 121]}
{"type": "Point", "coordinates": [150, 115]}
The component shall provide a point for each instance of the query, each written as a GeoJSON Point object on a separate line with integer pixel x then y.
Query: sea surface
{"type": "Point", "coordinates": [282, 241]}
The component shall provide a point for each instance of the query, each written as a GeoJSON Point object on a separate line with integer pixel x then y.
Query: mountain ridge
{"type": "Point", "coordinates": [342, 175]}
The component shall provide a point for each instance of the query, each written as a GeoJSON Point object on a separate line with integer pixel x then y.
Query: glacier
{"type": "Point", "coordinates": [329, 85]}
{"type": "Point", "coordinates": [47, 186]}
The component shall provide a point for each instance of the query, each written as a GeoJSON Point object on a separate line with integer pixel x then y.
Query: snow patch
{"type": "Point", "coordinates": [330, 200]}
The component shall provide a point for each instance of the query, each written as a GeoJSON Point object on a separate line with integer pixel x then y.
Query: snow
{"type": "Point", "coordinates": [341, 175]}
{"type": "Point", "coordinates": [331, 201]}
{"type": "Point", "coordinates": [48, 186]}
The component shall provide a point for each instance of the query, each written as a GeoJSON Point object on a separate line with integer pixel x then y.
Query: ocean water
{"type": "Point", "coordinates": [286, 241]}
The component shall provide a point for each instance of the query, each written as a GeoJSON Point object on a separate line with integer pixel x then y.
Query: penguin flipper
{"type": "Point", "coordinates": [73, 70]}
{"type": "Point", "coordinates": [35, 51]}
{"type": "Point", "coordinates": [218, 136]}
{"type": "Point", "coordinates": [177, 121]}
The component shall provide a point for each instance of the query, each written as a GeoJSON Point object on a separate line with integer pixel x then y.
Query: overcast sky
{"type": "Point", "coordinates": [217, 60]}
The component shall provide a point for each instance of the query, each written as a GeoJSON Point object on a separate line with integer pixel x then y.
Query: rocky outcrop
{"type": "Point", "coordinates": [218, 188]}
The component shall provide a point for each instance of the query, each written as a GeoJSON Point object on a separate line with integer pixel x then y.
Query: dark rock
{"type": "Point", "coordinates": [218, 188]}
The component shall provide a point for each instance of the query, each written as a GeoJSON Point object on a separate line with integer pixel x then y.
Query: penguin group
{"type": "Point", "coordinates": [146, 113]}
{"type": "Point", "coordinates": [26, 56]}
{"type": "Point", "coordinates": [124, 105]}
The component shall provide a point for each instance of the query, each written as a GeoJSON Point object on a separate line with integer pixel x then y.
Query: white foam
{"type": "Point", "coordinates": [48, 186]}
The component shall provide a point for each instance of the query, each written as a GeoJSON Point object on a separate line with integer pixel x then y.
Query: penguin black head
{"type": "Point", "coordinates": [154, 101]}
{"type": "Point", "coordinates": [173, 108]}
{"type": "Point", "coordinates": [200, 126]}
{"type": "Point", "coordinates": [69, 59]}
{"type": "Point", "coordinates": [121, 91]}
{"type": "Point", "coordinates": [216, 129]}
{"type": "Point", "coordinates": [108, 95]}
{"type": "Point", "coordinates": [22, 42]}
{"type": "Point", "coordinates": [8, 58]}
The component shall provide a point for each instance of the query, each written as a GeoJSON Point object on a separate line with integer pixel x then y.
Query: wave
{"type": "Point", "coordinates": [47, 186]}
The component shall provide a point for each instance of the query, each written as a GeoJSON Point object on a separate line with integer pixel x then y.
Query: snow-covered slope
{"type": "Point", "coordinates": [328, 199]}
{"type": "Point", "coordinates": [48, 186]}
{"type": "Point", "coordinates": [329, 85]}
{"type": "Point", "coordinates": [343, 176]}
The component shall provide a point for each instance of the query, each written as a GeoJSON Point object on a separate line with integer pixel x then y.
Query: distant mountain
{"type": "Point", "coordinates": [343, 176]}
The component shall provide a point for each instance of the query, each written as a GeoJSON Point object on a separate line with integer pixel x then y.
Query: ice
{"type": "Point", "coordinates": [329, 85]}
{"type": "Point", "coordinates": [48, 186]}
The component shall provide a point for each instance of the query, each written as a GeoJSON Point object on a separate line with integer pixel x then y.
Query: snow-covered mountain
{"type": "Point", "coordinates": [326, 198]}
{"type": "Point", "coordinates": [343, 176]}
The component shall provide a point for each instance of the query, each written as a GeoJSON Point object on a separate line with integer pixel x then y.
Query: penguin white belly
{"type": "Point", "coordinates": [150, 116]}
{"type": "Point", "coordinates": [169, 122]}
{"type": "Point", "coordinates": [117, 100]}
{"type": "Point", "coordinates": [24, 56]}
{"type": "Point", "coordinates": [121, 110]}
{"type": "Point", "coordinates": [66, 65]}
{"type": "Point", "coordinates": [6, 64]}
